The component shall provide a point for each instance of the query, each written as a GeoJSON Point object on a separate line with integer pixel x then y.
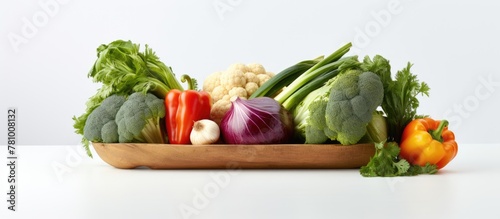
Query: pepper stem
{"type": "Point", "coordinates": [436, 134]}
{"type": "Point", "coordinates": [192, 84]}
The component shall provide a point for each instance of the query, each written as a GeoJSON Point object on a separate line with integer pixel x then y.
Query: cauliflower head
{"type": "Point", "coordinates": [238, 80]}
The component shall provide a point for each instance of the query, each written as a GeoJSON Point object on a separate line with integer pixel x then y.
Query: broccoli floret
{"type": "Point", "coordinates": [100, 125]}
{"type": "Point", "coordinates": [355, 95]}
{"type": "Point", "coordinates": [138, 119]}
{"type": "Point", "coordinates": [109, 132]}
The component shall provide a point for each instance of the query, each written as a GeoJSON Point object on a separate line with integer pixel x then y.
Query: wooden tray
{"type": "Point", "coordinates": [223, 156]}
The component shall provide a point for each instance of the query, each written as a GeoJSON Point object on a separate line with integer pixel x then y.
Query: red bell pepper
{"type": "Point", "coordinates": [183, 108]}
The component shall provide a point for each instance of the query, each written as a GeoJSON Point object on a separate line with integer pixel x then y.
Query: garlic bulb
{"type": "Point", "coordinates": [204, 131]}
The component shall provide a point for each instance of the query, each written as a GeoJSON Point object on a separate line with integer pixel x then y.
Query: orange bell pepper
{"type": "Point", "coordinates": [428, 141]}
{"type": "Point", "coordinates": [183, 108]}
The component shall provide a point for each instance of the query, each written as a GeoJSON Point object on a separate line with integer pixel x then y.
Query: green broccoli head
{"type": "Point", "coordinates": [354, 96]}
{"type": "Point", "coordinates": [138, 120]}
{"type": "Point", "coordinates": [100, 125]}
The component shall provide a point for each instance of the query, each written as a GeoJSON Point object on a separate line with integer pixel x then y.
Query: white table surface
{"type": "Point", "coordinates": [61, 182]}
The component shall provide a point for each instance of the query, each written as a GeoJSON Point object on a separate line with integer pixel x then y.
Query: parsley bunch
{"type": "Point", "coordinates": [386, 162]}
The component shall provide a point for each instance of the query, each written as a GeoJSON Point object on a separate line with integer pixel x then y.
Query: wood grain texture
{"type": "Point", "coordinates": [223, 156]}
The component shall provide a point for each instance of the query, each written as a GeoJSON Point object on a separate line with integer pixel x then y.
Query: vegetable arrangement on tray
{"type": "Point", "coordinates": [337, 99]}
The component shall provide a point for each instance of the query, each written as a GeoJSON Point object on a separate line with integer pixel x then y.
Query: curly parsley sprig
{"type": "Point", "coordinates": [386, 162]}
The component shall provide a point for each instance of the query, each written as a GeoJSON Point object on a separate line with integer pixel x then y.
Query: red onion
{"type": "Point", "coordinates": [260, 120]}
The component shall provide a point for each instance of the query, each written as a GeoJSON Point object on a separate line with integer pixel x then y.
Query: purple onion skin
{"type": "Point", "coordinates": [260, 120]}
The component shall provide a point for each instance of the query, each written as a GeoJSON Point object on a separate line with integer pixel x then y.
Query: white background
{"type": "Point", "coordinates": [47, 48]}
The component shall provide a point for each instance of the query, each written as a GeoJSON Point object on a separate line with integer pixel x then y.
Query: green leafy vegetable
{"type": "Point", "coordinates": [386, 163]}
{"type": "Point", "coordinates": [122, 66]}
{"type": "Point", "coordinates": [123, 69]}
{"type": "Point", "coordinates": [399, 105]}
{"type": "Point", "coordinates": [400, 101]}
